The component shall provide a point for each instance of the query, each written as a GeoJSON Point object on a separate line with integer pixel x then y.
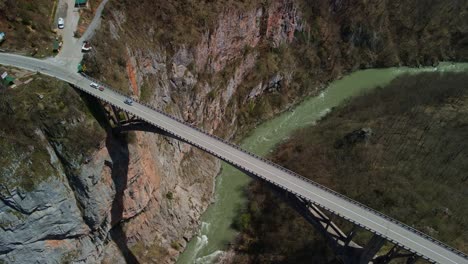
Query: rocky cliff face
{"type": "Point", "coordinates": [46, 138]}
{"type": "Point", "coordinates": [172, 203]}
{"type": "Point", "coordinates": [141, 197]}
{"type": "Point", "coordinates": [68, 183]}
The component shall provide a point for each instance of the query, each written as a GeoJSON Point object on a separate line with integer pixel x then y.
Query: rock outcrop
{"type": "Point", "coordinates": [45, 140]}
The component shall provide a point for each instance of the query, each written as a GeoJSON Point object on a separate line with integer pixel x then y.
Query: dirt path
{"type": "Point", "coordinates": [95, 23]}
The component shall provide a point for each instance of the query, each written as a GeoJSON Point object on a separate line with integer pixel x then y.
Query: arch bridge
{"type": "Point", "coordinates": [309, 198]}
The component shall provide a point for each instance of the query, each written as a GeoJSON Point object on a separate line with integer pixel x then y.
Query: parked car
{"type": "Point", "coordinates": [94, 85]}
{"type": "Point", "coordinates": [101, 88]}
{"type": "Point", "coordinates": [128, 101]}
{"type": "Point", "coordinates": [61, 23]}
{"type": "Point", "coordinates": [86, 46]}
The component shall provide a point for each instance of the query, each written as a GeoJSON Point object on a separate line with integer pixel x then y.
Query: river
{"type": "Point", "coordinates": [216, 231]}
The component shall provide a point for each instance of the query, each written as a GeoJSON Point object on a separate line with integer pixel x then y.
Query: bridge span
{"type": "Point", "coordinates": [305, 189]}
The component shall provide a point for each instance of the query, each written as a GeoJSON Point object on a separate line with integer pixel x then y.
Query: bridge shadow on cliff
{"type": "Point", "coordinates": [117, 145]}
{"type": "Point", "coordinates": [118, 150]}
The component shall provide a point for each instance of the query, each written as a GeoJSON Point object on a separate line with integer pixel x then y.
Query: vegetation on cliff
{"type": "Point", "coordinates": [401, 150]}
{"type": "Point", "coordinates": [330, 38]}
{"type": "Point", "coordinates": [49, 139]}
{"type": "Point", "coordinates": [28, 25]}
{"type": "Point", "coordinates": [43, 116]}
{"type": "Point", "coordinates": [179, 22]}
{"type": "Point", "coordinates": [342, 36]}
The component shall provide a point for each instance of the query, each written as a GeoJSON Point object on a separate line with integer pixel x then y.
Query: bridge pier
{"type": "Point", "coordinates": [394, 253]}
{"type": "Point", "coordinates": [138, 125]}
{"type": "Point", "coordinates": [341, 243]}
{"type": "Point", "coordinates": [114, 115]}
{"type": "Point", "coordinates": [110, 114]}
{"type": "Point", "coordinates": [351, 234]}
{"type": "Point", "coordinates": [372, 248]}
{"type": "Point", "coordinates": [121, 122]}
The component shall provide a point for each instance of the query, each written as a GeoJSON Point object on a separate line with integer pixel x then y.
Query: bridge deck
{"type": "Point", "coordinates": [359, 214]}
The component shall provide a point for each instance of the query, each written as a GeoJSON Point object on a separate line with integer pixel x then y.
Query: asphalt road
{"type": "Point", "coordinates": [334, 202]}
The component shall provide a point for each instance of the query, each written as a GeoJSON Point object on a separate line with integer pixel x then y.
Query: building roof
{"type": "Point", "coordinates": [56, 45]}
{"type": "Point", "coordinates": [8, 80]}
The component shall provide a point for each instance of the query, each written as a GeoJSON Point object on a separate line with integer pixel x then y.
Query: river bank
{"type": "Point", "coordinates": [216, 231]}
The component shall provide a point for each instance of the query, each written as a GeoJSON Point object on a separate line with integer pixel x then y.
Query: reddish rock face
{"type": "Point", "coordinates": [131, 73]}
{"type": "Point", "coordinates": [282, 22]}
{"type": "Point", "coordinates": [234, 32]}
{"type": "Point", "coordinates": [238, 30]}
{"type": "Point", "coordinates": [144, 180]}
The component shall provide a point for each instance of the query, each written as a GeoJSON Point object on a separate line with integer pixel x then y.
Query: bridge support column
{"type": "Point", "coordinates": [110, 114]}
{"type": "Point", "coordinates": [341, 243]}
{"type": "Point", "coordinates": [350, 235]}
{"type": "Point", "coordinates": [137, 125]}
{"type": "Point", "coordinates": [116, 114]}
{"type": "Point", "coordinates": [371, 249]}
{"type": "Point", "coordinates": [412, 259]}
{"type": "Point", "coordinates": [394, 253]}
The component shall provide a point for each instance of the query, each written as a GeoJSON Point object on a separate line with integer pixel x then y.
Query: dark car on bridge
{"type": "Point", "coordinates": [128, 101]}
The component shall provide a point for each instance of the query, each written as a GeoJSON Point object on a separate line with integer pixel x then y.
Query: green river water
{"type": "Point", "coordinates": [216, 232]}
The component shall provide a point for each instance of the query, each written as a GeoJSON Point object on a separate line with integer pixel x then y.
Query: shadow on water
{"type": "Point", "coordinates": [117, 146]}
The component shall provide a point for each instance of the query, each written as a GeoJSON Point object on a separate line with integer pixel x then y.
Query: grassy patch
{"type": "Point", "coordinates": [28, 26]}
{"type": "Point", "coordinates": [169, 195]}
{"type": "Point", "coordinates": [146, 92]}
{"type": "Point", "coordinates": [148, 254]}
{"type": "Point", "coordinates": [175, 245]}
{"type": "Point", "coordinates": [187, 19]}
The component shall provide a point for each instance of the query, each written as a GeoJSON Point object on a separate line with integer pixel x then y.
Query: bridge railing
{"type": "Point", "coordinates": [371, 210]}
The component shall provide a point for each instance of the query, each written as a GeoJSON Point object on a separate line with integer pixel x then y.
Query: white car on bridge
{"type": "Point", "coordinates": [61, 23]}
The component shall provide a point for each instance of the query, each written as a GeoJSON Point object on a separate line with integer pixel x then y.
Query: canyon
{"type": "Point", "coordinates": [140, 196]}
